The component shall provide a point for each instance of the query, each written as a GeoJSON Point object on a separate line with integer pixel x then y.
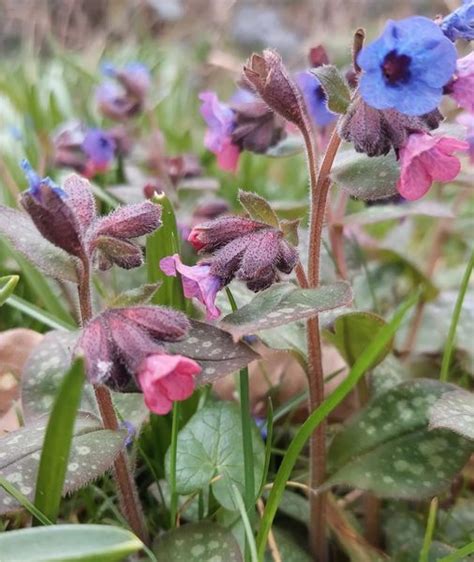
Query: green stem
{"type": "Point", "coordinates": [314, 420]}
{"type": "Point", "coordinates": [173, 455]}
{"type": "Point", "coordinates": [448, 350]}
{"type": "Point", "coordinates": [459, 554]}
{"type": "Point", "coordinates": [430, 527]}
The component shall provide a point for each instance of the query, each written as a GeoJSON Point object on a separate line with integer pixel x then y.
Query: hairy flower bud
{"type": "Point", "coordinates": [374, 131]}
{"type": "Point", "coordinates": [211, 235]}
{"type": "Point", "coordinates": [123, 253]}
{"type": "Point", "coordinates": [268, 76]}
{"type": "Point", "coordinates": [130, 221]}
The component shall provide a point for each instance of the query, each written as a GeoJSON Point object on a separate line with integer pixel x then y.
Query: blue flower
{"type": "Point", "coordinates": [407, 66]}
{"type": "Point", "coordinates": [35, 181]}
{"type": "Point", "coordinates": [99, 147]}
{"type": "Point", "coordinates": [460, 23]}
{"type": "Point", "coordinates": [315, 98]}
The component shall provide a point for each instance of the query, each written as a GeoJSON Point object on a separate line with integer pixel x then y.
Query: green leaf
{"type": "Point", "coordinates": [93, 452]}
{"type": "Point", "coordinates": [351, 333]}
{"type": "Point", "coordinates": [22, 234]}
{"type": "Point", "coordinates": [389, 450]}
{"type": "Point", "coordinates": [380, 213]}
{"type": "Point", "coordinates": [141, 295]}
{"type": "Point", "coordinates": [7, 286]}
{"type": "Point", "coordinates": [289, 146]}
{"type": "Point", "coordinates": [290, 546]}
{"type": "Point", "coordinates": [57, 442]}
{"type": "Point", "coordinates": [366, 178]}
{"type": "Point", "coordinates": [64, 543]}
{"type": "Point", "coordinates": [288, 339]}
{"type": "Point", "coordinates": [290, 230]}
{"type": "Point", "coordinates": [210, 445]}
{"type": "Point", "coordinates": [214, 350]}
{"type": "Point", "coordinates": [258, 208]}
{"type": "Point", "coordinates": [37, 313]}
{"type": "Point", "coordinates": [454, 411]}
{"type": "Point", "coordinates": [335, 87]}
{"type": "Point", "coordinates": [198, 542]}
{"type": "Point", "coordinates": [284, 303]}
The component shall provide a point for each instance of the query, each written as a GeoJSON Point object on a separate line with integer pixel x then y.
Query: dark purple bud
{"type": "Point", "coordinates": [318, 56]}
{"type": "Point", "coordinates": [123, 253]}
{"type": "Point", "coordinates": [130, 221]}
{"type": "Point", "coordinates": [287, 258]}
{"type": "Point", "coordinates": [269, 78]}
{"type": "Point", "coordinates": [374, 132]}
{"type": "Point", "coordinates": [213, 234]}
{"type": "Point", "coordinates": [160, 322]}
{"type": "Point", "coordinates": [80, 198]}
{"type": "Point", "coordinates": [210, 209]}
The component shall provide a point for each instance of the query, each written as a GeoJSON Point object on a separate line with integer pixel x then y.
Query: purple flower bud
{"type": "Point", "coordinates": [130, 221]}
{"type": "Point", "coordinates": [81, 200]}
{"type": "Point", "coordinates": [123, 253]}
{"type": "Point", "coordinates": [197, 282]}
{"type": "Point", "coordinates": [163, 323]}
{"type": "Point", "coordinates": [35, 181]}
{"type": "Point", "coordinates": [374, 132]}
{"type": "Point", "coordinates": [135, 78]}
{"type": "Point", "coordinates": [213, 234]}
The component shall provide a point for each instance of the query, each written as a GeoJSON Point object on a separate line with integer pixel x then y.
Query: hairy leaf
{"type": "Point", "coordinates": [454, 411]}
{"type": "Point", "coordinates": [210, 445]}
{"type": "Point", "coordinates": [388, 447]}
{"type": "Point", "coordinates": [289, 146]}
{"type": "Point", "coordinates": [93, 451]}
{"type": "Point", "coordinates": [198, 542]}
{"type": "Point", "coordinates": [64, 543]}
{"type": "Point", "coordinates": [258, 208]}
{"type": "Point", "coordinates": [22, 234]}
{"type": "Point", "coordinates": [366, 178]}
{"type": "Point", "coordinates": [214, 350]}
{"type": "Point", "coordinates": [284, 303]}
{"type": "Point", "coordinates": [335, 87]}
{"type": "Point", "coordinates": [380, 213]}
{"type": "Point", "coordinates": [133, 297]}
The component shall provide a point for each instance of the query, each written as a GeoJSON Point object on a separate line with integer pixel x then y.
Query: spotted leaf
{"type": "Point", "coordinates": [93, 451]}
{"type": "Point", "coordinates": [388, 447]}
{"type": "Point", "coordinates": [454, 411]}
{"type": "Point", "coordinates": [284, 303]}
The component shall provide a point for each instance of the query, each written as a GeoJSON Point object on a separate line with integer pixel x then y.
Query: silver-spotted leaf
{"type": "Point", "coordinates": [366, 178]}
{"type": "Point", "coordinates": [198, 542]}
{"type": "Point", "coordinates": [454, 411]}
{"type": "Point", "coordinates": [335, 87]}
{"type": "Point", "coordinates": [258, 208]}
{"type": "Point", "coordinates": [351, 333]}
{"type": "Point", "coordinates": [388, 448]}
{"type": "Point", "coordinates": [214, 350]}
{"type": "Point", "coordinates": [210, 445]}
{"type": "Point", "coordinates": [23, 236]}
{"type": "Point", "coordinates": [93, 451]}
{"type": "Point", "coordinates": [284, 303]}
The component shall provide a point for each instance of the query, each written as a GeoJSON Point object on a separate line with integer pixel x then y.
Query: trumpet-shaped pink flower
{"type": "Point", "coordinates": [462, 89]}
{"type": "Point", "coordinates": [467, 119]}
{"type": "Point", "coordinates": [425, 159]}
{"type": "Point", "coordinates": [197, 282]}
{"type": "Point", "coordinates": [165, 379]}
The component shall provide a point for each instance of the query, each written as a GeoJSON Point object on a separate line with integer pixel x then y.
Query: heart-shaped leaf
{"type": "Point", "coordinates": [380, 213]}
{"type": "Point", "coordinates": [366, 178]}
{"type": "Point", "coordinates": [22, 234]}
{"type": "Point", "coordinates": [258, 208]}
{"type": "Point", "coordinates": [7, 286]}
{"type": "Point", "coordinates": [335, 87]}
{"type": "Point", "coordinates": [210, 446]}
{"type": "Point", "coordinates": [454, 411]}
{"type": "Point", "coordinates": [351, 333]}
{"type": "Point", "coordinates": [283, 303]}
{"type": "Point", "coordinates": [198, 542]}
{"type": "Point", "coordinates": [67, 543]}
{"type": "Point", "coordinates": [93, 451]}
{"type": "Point", "coordinates": [388, 447]}
{"type": "Point", "coordinates": [214, 350]}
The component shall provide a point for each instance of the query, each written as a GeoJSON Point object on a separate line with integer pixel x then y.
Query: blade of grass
{"type": "Point", "coordinates": [459, 554]}
{"type": "Point", "coordinates": [305, 431]}
{"type": "Point", "coordinates": [7, 286]}
{"type": "Point", "coordinates": [57, 442]}
{"type": "Point", "coordinates": [268, 445]}
{"type": "Point", "coordinates": [24, 501]}
{"type": "Point", "coordinates": [430, 527]}
{"type": "Point", "coordinates": [246, 522]}
{"type": "Point", "coordinates": [173, 455]}
{"type": "Point", "coordinates": [448, 350]}
{"type": "Point", "coordinates": [35, 312]}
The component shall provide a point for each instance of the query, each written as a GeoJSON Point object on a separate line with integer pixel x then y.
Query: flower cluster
{"type": "Point", "coordinates": [124, 350]}
{"type": "Point", "coordinates": [66, 216]}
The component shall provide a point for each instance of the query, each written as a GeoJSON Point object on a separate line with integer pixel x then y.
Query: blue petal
{"type": "Point", "coordinates": [435, 65]}
{"type": "Point", "coordinates": [375, 91]}
{"type": "Point", "coordinates": [418, 98]}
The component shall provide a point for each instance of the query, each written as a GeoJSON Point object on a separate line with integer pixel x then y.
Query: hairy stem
{"type": "Point", "coordinates": [319, 184]}
{"type": "Point", "coordinates": [127, 492]}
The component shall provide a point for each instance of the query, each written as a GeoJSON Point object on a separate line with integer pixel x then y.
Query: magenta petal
{"type": "Point", "coordinates": [158, 402]}
{"type": "Point", "coordinates": [414, 182]}
{"type": "Point", "coordinates": [178, 386]}
{"type": "Point", "coordinates": [228, 156]}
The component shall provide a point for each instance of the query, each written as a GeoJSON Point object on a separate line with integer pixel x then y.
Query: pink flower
{"type": "Point", "coordinates": [220, 120]}
{"type": "Point", "coordinates": [467, 119]}
{"type": "Point", "coordinates": [165, 379]}
{"type": "Point", "coordinates": [197, 282]}
{"type": "Point", "coordinates": [462, 89]}
{"type": "Point", "coordinates": [425, 159]}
